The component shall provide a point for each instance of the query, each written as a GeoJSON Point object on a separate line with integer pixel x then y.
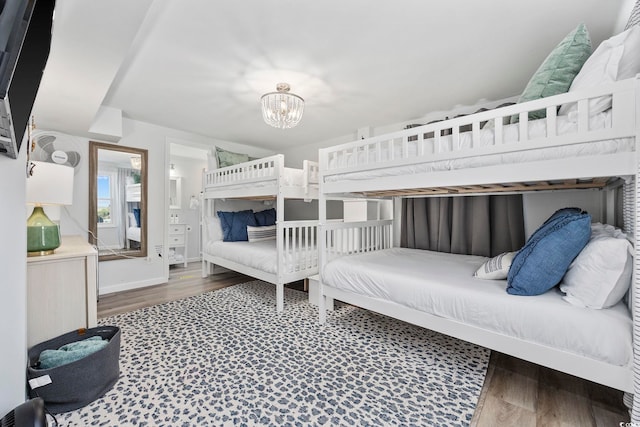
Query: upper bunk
{"type": "Point", "coordinates": [262, 179]}
{"type": "Point", "coordinates": [502, 150]}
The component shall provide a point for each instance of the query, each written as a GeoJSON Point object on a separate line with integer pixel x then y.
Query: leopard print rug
{"type": "Point", "coordinates": [227, 358]}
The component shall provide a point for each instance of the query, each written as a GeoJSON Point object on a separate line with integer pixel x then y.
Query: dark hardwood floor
{"type": "Point", "coordinates": [515, 393]}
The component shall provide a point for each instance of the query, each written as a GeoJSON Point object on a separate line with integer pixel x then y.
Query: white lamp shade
{"type": "Point", "coordinates": [49, 184]}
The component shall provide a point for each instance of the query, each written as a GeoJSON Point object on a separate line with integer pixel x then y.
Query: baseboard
{"type": "Point", "coordinates": [120, 287]}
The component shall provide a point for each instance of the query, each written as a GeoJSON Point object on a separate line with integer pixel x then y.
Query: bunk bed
{"type": "Point", "coordinates": [289, 255]}
{"type": "Point", "coordinates": [362, 264]}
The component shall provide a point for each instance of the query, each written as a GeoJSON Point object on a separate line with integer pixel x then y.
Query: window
{"type": "Point", "coordinates": [105, 199]}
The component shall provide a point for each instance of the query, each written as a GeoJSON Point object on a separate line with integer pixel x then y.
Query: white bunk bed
{"type": "Point", "coordinates": [293, 254]}
{"type": "Point", "coordinates": [361, 264]}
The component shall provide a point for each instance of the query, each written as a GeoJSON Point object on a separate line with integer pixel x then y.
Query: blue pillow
{"type": "Point", "coordinates": [136, 214]}
{"type": "Point", "coordinates": [545, 258]}
{"type": "Point", "coordinates": [234, 225]}
{"type": "Point", "coordinates": [266, 217]}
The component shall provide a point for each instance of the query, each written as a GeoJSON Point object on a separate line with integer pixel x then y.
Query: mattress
{"type": "Point", "coordinates": [443, 285]}
{"type": "Point", "coordinates": [133, 233]}
{"type": "Point", "coordinates": [262, 255]}
{"type": "Point", "coordinates": [536, 130]}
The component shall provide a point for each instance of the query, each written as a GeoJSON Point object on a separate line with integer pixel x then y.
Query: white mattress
{"type": "Point", "coordinates": [261, 255]}
{"type": "Point", "coordinates": [537, 129]}
{"type": "Point", "coordinates": [133, 233]}
{"type": "Point", "coordinates": [443, 284]}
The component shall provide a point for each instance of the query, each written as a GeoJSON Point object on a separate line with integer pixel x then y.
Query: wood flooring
{"type": "Point", "coordinates": [515, 392]}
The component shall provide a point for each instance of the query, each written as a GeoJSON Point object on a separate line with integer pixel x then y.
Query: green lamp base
{"type": "Point", "coordinates": [43, 235]}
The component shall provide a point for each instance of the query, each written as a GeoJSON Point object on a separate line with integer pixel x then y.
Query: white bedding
{"type": "Point", "coordinates": [537, 130]}
{"type": "Point", "coordinates": [443, 284]}
{"type": "Point", "coordinates": [133, 233]}
{"type": "Point", "coordinates": [261, 255]}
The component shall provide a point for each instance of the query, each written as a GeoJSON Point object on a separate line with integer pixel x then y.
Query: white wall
{"type": "Point", "coordinates": [13, 299]}
{"type": "Point", "coordinates": [119, 275]}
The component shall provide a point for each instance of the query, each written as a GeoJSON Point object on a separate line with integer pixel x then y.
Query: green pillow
{"type": "Point", "coordinates": [229, 158]}
{"type": "Point", "coordinates": [558, 70]}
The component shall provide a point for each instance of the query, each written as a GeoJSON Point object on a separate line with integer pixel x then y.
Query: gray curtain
{"type": "Point", "coordinates": [474, 225]}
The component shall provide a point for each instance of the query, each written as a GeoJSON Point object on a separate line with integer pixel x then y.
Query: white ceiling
{"type": "Point", "coordinates": [201, 66]}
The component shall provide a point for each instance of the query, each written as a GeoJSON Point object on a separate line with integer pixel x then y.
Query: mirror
{"type": "Point", "coordinates": [117, 201]}
{"type": "Point", "coordinates": [175, 192]}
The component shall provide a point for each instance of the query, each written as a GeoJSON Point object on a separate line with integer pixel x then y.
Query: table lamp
{"type": "Point", "coordinates": [47, 184]}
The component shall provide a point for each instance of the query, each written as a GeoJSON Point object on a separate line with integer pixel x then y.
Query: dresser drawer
{"type": "Point", "coordinates": [176, 240]}
{"type": "Point", "coordinates": [177, 229]}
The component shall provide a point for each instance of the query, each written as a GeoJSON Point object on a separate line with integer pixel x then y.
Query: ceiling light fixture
{"type": "Point", "coordinates": [282, 109]}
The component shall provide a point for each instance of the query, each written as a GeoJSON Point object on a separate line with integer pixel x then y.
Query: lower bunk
{"type": "Point", "coordinates": [438, 291]}
{"type": "Point", "coordinates": [288, 255]}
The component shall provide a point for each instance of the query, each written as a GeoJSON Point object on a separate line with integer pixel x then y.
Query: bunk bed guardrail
{"type": "Point", "coordinates": [348, 238]}
{"type": "Point", "coordinates": [298, 248]}
{"type": "Point", "coordinates": [393, 149]}
{"type": "Point", "coordinates": [243, 173]}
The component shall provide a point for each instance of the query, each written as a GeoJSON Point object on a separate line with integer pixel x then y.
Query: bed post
{"type": "Point", "coordinates": [206, 268]}
{"type": "Point", "coordinates": [397, 221]}
{"type": "Point", "coordinates": [322, 239]}
{"type": "Point", "coordinates": [280, 229]}
{"type": "Point", "coordinates": [635, 284]}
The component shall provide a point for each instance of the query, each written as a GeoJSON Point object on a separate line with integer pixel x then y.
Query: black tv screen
{"type": "Point", "coordinates": [25, 40]}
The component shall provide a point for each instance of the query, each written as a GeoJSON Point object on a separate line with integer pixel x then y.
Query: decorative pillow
{"type": "Point", "coordinates": [558, 70]}
{"type": "Point", "coordinates": [257, 234]}
{"type": "Point", "coordinates": [212, 159]}
{"type": "Point", "coordinates": [266, 217]}
{"type": "Point", "coordinates": [615, 59]}
{"type": "Point", "coordinates": [229, 158]}
{"type": "Point", "coordinates": [600, 275]}
{"type": "Point", "coordinates": [213, 228]}
{"type": "Point", "coordinates": [136, 214]}
{"type": "Point", "coordinates": [545, 258]}
{"type": "Point", "coordinates": [495, 268]}
{"type": "Point", "coordinates": [234, 225]}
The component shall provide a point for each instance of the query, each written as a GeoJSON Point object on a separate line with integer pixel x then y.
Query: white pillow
{"type": "Point", "coordinates": [615, 59]}
{"type": "Point", "coordinates": [257, 234]}
{"type": "Point", "coordinates": [496, 268]}
{"type": "Point", "coordinates": [213, 228]}
{"type": "Point", "coordinates": [600, 275]}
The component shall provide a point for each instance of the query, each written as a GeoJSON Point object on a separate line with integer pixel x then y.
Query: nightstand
{"type": "Point", "coordinates": [62, 290]}
{"type": "Point", "coordinates": [177, 240]}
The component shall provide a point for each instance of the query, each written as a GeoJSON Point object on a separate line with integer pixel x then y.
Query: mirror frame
{"type": "Point", "coordinates": [94, 147]}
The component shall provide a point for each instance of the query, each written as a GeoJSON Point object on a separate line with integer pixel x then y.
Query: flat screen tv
{"type": "Point", "coordinates": [25, 39]}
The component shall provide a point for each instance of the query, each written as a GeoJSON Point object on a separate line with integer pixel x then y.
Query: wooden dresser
{"type": "Point", "coordinates": [61, 290]}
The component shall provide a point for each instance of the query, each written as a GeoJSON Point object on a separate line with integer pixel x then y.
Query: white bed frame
{"type": "Point", "coordinates": [263, 179]}
{"type": "Point", "coordinates": [575, 172]}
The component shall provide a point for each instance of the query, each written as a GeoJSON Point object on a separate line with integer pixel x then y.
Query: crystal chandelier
{"type": "Point", "coordinates": [282, 109]}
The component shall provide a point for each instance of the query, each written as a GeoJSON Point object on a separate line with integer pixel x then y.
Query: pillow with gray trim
{"type": "Point", "coordinates": [496, 268]}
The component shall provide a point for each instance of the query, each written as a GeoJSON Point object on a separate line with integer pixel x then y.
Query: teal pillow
{"type": "Point", "coordinates": [229, 158]}
{"type": "Point", "coordinates": [555, 74]}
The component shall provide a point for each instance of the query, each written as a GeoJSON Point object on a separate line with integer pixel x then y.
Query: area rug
{"type": "Point", "coordinates": [227, 358]}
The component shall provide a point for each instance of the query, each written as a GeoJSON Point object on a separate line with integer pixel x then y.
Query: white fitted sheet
{"type": "Point", "coordinates": [262, 255]}
{"type": "Point", "coordinates": [537, 130]}
{"type": "Point", "coordinates": [443, 284]}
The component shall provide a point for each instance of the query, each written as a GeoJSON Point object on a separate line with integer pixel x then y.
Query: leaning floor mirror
{"type": "Point", "coordinates": [117, 201]}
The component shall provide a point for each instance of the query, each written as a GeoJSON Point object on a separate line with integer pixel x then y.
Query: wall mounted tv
{"type": "Point", "coordinates": [25, 39]}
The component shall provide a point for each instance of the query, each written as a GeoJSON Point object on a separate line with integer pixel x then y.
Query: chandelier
{"type": "Point", "coordinates": [282, 109]}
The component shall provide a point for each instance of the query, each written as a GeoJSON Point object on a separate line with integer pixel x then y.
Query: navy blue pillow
{"type": "Point", "coordinates": [234, 225]}
{"type": "Point", "coordinates": [136, 214]}
{"type": "Point", "coordinates": [266, 217]}
{"type": "Point", "coordinates": [545, 258]}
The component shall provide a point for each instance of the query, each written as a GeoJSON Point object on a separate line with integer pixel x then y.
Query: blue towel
{"type": "Point", "coordinates": [71, 352]}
